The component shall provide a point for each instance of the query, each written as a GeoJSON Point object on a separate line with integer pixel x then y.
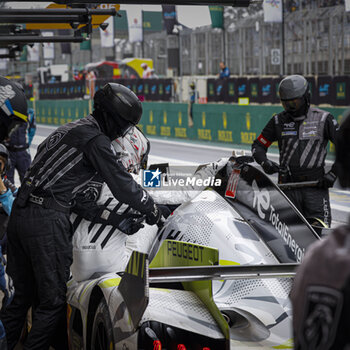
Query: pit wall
{"type": "Point", "coordinates": [219, 123]}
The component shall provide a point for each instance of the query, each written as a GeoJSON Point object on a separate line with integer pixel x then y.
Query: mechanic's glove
{"type": "Point", "coordinates": [220, 164]}
{"type": "Point", "coordinates": [131, 224]}
{"type": "Point", "coordinates": [270, 167]}
{"type": "Point", "coordinates": [283, 175]}
{"type": "Point", "coordinates": [328, 180]}
{"type": "Point", "coordinates": [154, 216]}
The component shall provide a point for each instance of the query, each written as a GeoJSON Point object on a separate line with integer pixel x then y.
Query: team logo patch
{"type": "Point", "coordinates": [152, 178]}
{"type": "Point", "coordinates": [322, 314]}
{"type": "Point", "coordinates": [289, 133]}
{"type": "Point", "coordinates": [54, 139]}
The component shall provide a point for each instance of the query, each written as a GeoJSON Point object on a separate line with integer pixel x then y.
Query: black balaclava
{"type": "Point", "coordinates": [111, 127]}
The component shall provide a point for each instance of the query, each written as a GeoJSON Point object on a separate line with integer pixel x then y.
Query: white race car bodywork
{"type": "Point", "coordinates": [262, 304]}
{"type": "Point", "coordinates": [257, 312]}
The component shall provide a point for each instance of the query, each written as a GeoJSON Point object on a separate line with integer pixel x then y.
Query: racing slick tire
{"type": "Point", "coordinates": [102, 329]}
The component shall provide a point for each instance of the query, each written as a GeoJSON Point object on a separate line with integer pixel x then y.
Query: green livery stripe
{"type": "Point", "coordinates": [176, 254]}
{"type": "Point", "coordinates": [227, 262]}
{"type": "Point", "coordinates": [286, 345]}
{"type": "Point", "coordinates": [112, 282]}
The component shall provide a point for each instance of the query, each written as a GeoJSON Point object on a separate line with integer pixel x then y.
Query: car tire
{"type": "Point", "coordinates": [102, 329]}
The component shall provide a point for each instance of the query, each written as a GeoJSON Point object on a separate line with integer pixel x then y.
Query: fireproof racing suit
{"type": "Point", "coordinates": [99, 246]}
{"type": "Point", "coordinates": [40, 232]}
{"type": "Point", "coordinates": [302, 148]}
{"type": "Point", "coordinates": [321, 294]}
{"type": "Point", "coordinates": [18, 147]}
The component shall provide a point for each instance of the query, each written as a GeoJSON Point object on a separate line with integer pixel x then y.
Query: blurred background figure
{"type": "Point", "coordinates": [18, 147]}
{"type": "Point", "coordinates": [146, 71]}
{"type": "Point", "coordinates": [225, 72]}
{"type": "Point", "coordinates": [193, 98]}
{"type": "Point", "coordinates": [152, 74]}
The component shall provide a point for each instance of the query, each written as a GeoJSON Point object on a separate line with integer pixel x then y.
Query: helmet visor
{"type": "Point", "coordinates": [292, 105]}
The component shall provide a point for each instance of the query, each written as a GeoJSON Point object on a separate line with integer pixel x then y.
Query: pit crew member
{"type": "Point", "coordinates": [302, 133]}
{"type": "Point", "coordinates": [106, 231]}
{"type": "Point", "coordinates": [39, 230]}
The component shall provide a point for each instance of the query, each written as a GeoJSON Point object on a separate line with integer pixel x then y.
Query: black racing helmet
{"type": "Point", "coordinates": [295, 95]}
{"type": "Point", "coordinates": [342, 150]}
{"type": "Point", "coordinates": [120, 106]}
{"type": "Point", "coordinates": [13, 107]}
{"type": "Point", "coordinates": [4, 153]}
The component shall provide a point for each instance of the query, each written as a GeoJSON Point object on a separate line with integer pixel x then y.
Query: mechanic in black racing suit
{"type": "Point", "coordinates": [39, 230]}
{"type": "Point", "coordinates": [106, 231]}
{"type": "Point", "coordinates": [302, 133]}
{"type": "Point", "coordinates": [321, 289]}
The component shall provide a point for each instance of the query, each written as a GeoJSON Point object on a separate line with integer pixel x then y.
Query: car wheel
{"type": "Point", "coordinates": [102, 329]}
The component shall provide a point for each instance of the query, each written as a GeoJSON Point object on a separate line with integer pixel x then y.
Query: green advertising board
{"type": "Point", "coordinates": [224, 123]}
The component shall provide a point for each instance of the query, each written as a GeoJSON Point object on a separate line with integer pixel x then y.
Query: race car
{"type": "Point", "coordinates": [249, 222]}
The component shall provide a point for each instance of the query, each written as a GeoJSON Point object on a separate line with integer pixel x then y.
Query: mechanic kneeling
{"type": "Point", "coordinates": [302, 133]}
{"type": "Point", "coordinates": [40, 232]}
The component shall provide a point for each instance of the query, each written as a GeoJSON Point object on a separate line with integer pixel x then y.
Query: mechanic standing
{"type": "Point", "coordinates": [39, 231]}
{"type": "Point", "coordinates": [7, 192]}
{"type": "Point", "coordinates": [13, 106]}
{"type": "Point", "coordinates": [302, 133]}
{"type": "Point", "coordinates": [321, 289]}
{"type": "Point", "coordinates": [18, 146]}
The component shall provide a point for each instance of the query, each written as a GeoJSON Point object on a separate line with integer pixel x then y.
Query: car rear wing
{"type": "Point", "coordinates": [193, 265]}
{"type": "Point", "coordinates": [203, 273]}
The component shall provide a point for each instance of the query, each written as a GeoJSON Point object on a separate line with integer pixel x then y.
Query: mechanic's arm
{"type": "Point", "coordinates": [261, 145]}
{"type": "Point", "coordinates": [100, 153]}
{"type": "Point", "coordinates": [88, 209]}
{"type": "Point", "coordinates": [264, 141]}
{"type": "Point", "coordinates": [331, 129]}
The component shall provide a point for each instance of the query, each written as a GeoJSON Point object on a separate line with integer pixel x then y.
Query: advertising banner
{"type": "Point", "coordinates": [169, 17]}
{"type": "Point", "coordinates": [324, 89]}
{"type": "Point", "coordinates": [33, 52]}
{"type": "Point", "coordinates": [48, 48]}
{"type": "Point", "coordinates": [217, 16]}
{"type": "Point", "coordinates": [135, 24]}
{"type": "Point", "coordinates": [266, 90]}
{"type": "Point", "coordinates": [253, 89]}
{"type": "Point", "coordinates": [341, 91]}
{"type": "Point", "coordinates": [231, 90]}
{"type": "Point", "coordinates": [273, 11]}
{"type": "Point", "coordinates": [211, 90]}
{"type": "Point", "coordinates": [242, 87]}
{"type": "Point", "coordinates": [107, 35]}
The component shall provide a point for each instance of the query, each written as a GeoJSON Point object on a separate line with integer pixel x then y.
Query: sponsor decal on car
{"type": "Point", "coordinates": [267, 212]}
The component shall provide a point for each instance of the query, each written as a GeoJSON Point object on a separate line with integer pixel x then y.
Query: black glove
{"type": "Point", "coordinates": [328, 180]}
{"type": "Point", "coordinates": [270, 167]}
{"type": "Point", "coordinates": [284, 175]}
{"type": "Point", "coordinates": [154, 216]}
{"type": "Point", "coordinates": [131, 224]}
